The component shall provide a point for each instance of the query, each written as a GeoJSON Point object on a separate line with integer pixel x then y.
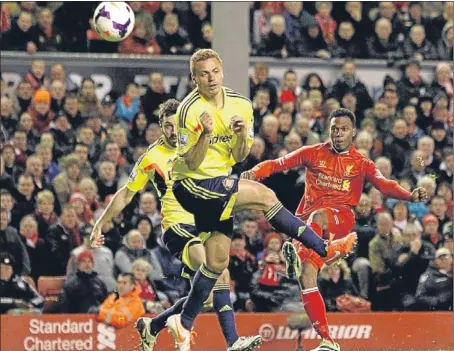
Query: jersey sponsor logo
{"type": "Point", "coordinates": [348, 170]}
{"type": "Point", "coordinates": [220, 139]}
{"type": "Point", "coordinates": [183, 139]}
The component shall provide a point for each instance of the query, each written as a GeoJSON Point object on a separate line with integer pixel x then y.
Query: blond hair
{"type": "Point", "coordinates": [28, 218]}
{"type": "Point", "coordinates": [141, 263]}
{"type": "Point", "coordinates": [202, 55]}
{"type": "Point", "coordinates": [45, 195]}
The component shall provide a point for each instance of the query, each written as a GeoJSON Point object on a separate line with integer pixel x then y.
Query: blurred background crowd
{"type": "Point", "coordinates": [65, 151]}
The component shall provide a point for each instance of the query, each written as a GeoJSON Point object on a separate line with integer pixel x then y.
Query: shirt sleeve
{"type": "Point", "coordinates": [189, 129]}
{"type": "Point", "coordinates": [388, 187]}
{"type": "Point", "coordinates": [297, 158]}
{"type": "Point", "coordinates": [138, 178]}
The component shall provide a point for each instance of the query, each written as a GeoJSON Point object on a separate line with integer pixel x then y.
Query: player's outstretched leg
{"type": "Point", "coordinates": [255, 196]}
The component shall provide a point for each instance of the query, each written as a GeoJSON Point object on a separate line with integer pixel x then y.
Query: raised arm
{"type": "Point", "coordinates": [264, 169]}
{"type": "Point", "coordinates": [391, 188]}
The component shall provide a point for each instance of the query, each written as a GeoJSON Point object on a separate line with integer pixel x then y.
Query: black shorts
{"type": "Point", "coordinates": [178, 239]}
{"type": "Point", "coordinates": [210, 201]}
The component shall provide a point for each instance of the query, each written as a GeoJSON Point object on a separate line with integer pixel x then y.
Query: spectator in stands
{"type": "Point", "coordinates": [64, 136]}
{"type": "Point", "coordinates": [207, 36]}
{"type": "Point", "coordinates": [86, 168]}
{"type": "Point", "coordinates": [49, 37]}
{"type": "Point", "coordinates": [260, 79]}
{"type": "Point", "coordinates": [23, 97]}
{"type": "Point", "coordinates": [26, 124]}
{"type": "Point", "coordinates": [313, 44]}
{"type": "Point", "coordinates": [11, 243]}
{"type": "Point", "coordinates": [128, 104]}
{"type": "Point", "coordinates": [415, 16]}
{"type": "Point", "coordinates": [445, 43]}
{"type": "Point", "coordinates": [443, 81]}
{"type": "Point", "coordinates": [388, 10]}
{"type": "Point", "coordinates": [417, 46]}
{"type": "Point", "coordinates": [254, 240]}
{"type": "Point", "coordinates": [285, 124]}
{"type": "Point", "coordinates": [15, 291]}
{"type": "Point", "coordinates": [134, 248]}
{"type": "Point", "coordinates": [143, 12]}
{"type": "Point", "coordinates": [435, 285]}
{"type": "Point", "coordinates": [12, 169]}
{"type": "Point", "coordinates": [136, 136]}
{"type": "Point", "coordinates": [427, 145]}
{"type": "Point", "coordinates": [88, 101]}
{"type": "Point", "coordinates": [410, 261]}
{"type": "Point", "coordinates": [261, 24]}
{"type": "Point", "coordinates": [431, 234]}
{"type": "Point", "coordinates": [170, 281]}
{"type": "Point", "coordinates": [381, 45]}
{"type": "Point", "coordinates": [275, 43]}
{"type": "Point", "coordinates": [141, 41]}
{"type": "Point", "coordinates": [242, 266]}
{"type": "Point", "coordinates": [5, 20]}
{"type": "Point", "coordinates": [412, 85]}
{"type": "Point", "coordinates": [172, 38]}
{"type": "Point", "coordinates": [57, 72]}
{"type": "Point", "coordinates": [34, 244]}
{"type": "Point", "coordinates": [40, 110]}
{"type": "Point", "coordinates": [380, 255]}
{"type": "Point", "coordinates": [355, 14]}
{"type": "Point", "coordinates": [21, 36]}
{"type": "Point", "coordinates": [57, 93]}
{"type": "Point", "coordinates": [89, 190]}
{"type": "Point", "coordinates": [71, 109]}
{"type": "Point", "coordinates": [44, 214]}
{"type": "Point", "coordinates": [198, 14]}
{"type": "Point", "coordinates": [124, 306]}
{"type": "Point", "coordinates": [392, 99]}
{"type": "Point", "coordinates": [447, 168]}
{"type": "Point", "coordinates": [6, 201]}
{"type": "Point", "coordinates": [107, 180]}
{"type": "Point", "coordinates": [21, 149]}
{"type": "Point", "coordinates": [314, 81]}
{"type": "Point", "coordinates": [153, 133]}
{"type": "Point", "coordinates": [410, 115]}
{"type": "Point", "coordinates": [148, 206]}
{"type": "Point", "coordinates": [448, 241]}
{"type": "Point", "coordinates": [154, 96]}
{"type": "Point", "coordinates": [303, 128]}
{"type": "Point", "coordinates": [347, 43]}
{"type": "Point", "coordinates": [66, 182]}
{"type": "Point", "coordinates": [269, 133]}
{"type": "Point", "coordinates": [439, 208]}
{"type": "Point", "coordinates": [335, 281]}
{"type": "Point", "coordinates": [25, 203]}
{"type": "Point", "coordinates": [34, 167]}
{"type": "Point", "coordinates": [417, 170]}
{"type": "Point", "coordinates": [83, 291]}
{"type": "Point", "coordinates": [296, 19]}
{"type": "Point", "coordinates": [396, 147]}
{"type": "Point", "coordinates": [166, 7]}
{"type": "Point", "coordinates": [36, 75]}
{"type": "Point", "coordinates": [145, 226]}
{"type": "Point", "coordinates": [7, 116]}
{"type": "Point", "coordinates": [61, 239]}
{"type": "Point", "coordinates": [153, 300]}
{"type": "Point", "coordinates": [324, 19]}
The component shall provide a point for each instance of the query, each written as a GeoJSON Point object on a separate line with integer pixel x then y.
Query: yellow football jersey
{"type": "Point", "coordinates": [155, 165]}
{"type": "Point", "coordinates": [219, 158]}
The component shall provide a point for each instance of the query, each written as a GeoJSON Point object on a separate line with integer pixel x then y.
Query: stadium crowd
{"type": "Point", "coordinates": [392, 30]}
{"type": "Point", "coordinates": [64, 152]}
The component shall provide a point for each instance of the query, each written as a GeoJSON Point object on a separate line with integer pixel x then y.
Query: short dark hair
{"type": "Point", "coordinates": [168, 108]}
{"type": "Point", "coordinates": [132, 279]}
{"type": "Point", "coordinates": [343, 112]}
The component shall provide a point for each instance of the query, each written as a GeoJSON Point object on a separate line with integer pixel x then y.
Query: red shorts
{"type": "Point", "coordinates": [340, 223]}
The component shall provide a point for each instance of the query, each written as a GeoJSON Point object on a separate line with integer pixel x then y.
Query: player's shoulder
{"type": "Point", "coordinates": [187, 105]}
{"type": "Point", "coordinates": [240, 98]}
{"type": "Point", "coordinates": [319, 147]}
{"type": "Point", "coordinates": [154, 149]}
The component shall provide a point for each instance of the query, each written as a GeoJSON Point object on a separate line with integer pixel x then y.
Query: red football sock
{"type": "Point", "coordinates": [316, 311]}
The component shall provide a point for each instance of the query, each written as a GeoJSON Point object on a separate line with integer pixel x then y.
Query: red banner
{"type": "Point", "coordinates": [365, 332]}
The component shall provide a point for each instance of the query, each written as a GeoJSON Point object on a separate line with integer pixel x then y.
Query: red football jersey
{"type": "Point", "coordinates": [333, 179]}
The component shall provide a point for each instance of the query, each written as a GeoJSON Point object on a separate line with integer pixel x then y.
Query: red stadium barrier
{"type": "Point", "coordinates": [365, 332]}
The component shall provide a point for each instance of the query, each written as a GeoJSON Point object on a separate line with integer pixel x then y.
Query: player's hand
{"type": "Point", "coordinates": [248, 175]}
{"type": "Point", "coordinates": [419, 195]}
{"type": "Point", "coordinates": [96, 237]}
{"type": "Point", "coordinates": [207, 123]}
{"type": "Point", "coordinates": [238, 126]}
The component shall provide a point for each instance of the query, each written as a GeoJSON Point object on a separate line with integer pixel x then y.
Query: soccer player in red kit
{"type": "Point", "coordinates": [335, 176]}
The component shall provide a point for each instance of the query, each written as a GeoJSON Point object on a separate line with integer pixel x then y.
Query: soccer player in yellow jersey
{"type": "Point", "coordinates": [179, 232]}
{"type": "Point", "coordinates": [215, 130]}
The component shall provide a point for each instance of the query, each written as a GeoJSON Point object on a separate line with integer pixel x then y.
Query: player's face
{"type": "Point", "coordinates": [169, 130]}
{"type": "Point", "coordinates": [341, 133]}
{"type": "Point", "coordinates": [209, 77]}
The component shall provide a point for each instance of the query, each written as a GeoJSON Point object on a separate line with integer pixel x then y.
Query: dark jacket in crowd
{"type": "Point", "coordinates": [345, 83]}
{"type": "Point", "coordinates": [434, 291]}
{"type": "Point", "coordinates": [11, 242]}
{"type": "Point", "coordinates": [177, 40]}
{"type": "Point", "coordinates": [59, 244]}
{"type": "Point", "coordinates": [427, 49]}
{"type": "Point", "coordinates": [18, 289]}
{"type": "Point", "coordinates": [408, 272]}
{"type": "Point", "coordinates": [408, 90]}
{"type": "Point", "coordinates": [331, 291]}
{"type": "Point", "coordinates": [150, 103]}
{"type": "Point", "coordinates": [16, 40]}
{"type": "Point", "coordinates": [273, 44]}
{"type": "Point", "coordinates": [378, 49]}
{"type": "Point", "coordinates": [82, 293]}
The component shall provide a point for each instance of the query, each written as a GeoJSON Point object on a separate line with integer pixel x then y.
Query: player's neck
{"type": "Point", "coordinates": [216, 100]}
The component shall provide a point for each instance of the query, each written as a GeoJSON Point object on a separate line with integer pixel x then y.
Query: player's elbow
{"type": "Point", "coordinates": [191, 162]}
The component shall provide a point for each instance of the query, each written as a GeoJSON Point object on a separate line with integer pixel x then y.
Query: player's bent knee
{"type": "Point", "coordinates": [196, 255]}
{"type": "Point", "coordinates": [269, 198]}
{"type": "Point", "coordinates": [218, 265]}
{"type": "Point", "coordinates": [320, 217]}
{"type": "Point", "coordinates": [225, 277]}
